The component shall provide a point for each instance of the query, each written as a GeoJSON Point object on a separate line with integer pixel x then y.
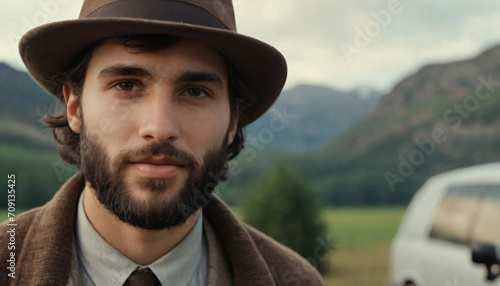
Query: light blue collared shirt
{"type": "Point", "coordinates": [100, 264]}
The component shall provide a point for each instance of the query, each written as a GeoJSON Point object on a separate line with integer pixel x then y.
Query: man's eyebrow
{"type": "Point", "coordinates": [200, 76]}
{"type": "Point", "coordinates": [122, 70]}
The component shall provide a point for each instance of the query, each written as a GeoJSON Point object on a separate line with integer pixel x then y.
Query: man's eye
{"type": "Point", "coordinates": [196, 92]}
{"type": "Point", "coordinates": [126, 86]}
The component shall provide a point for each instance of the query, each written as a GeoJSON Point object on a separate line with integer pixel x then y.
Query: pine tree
{"type": "Point", "coordinates": [284, 208]}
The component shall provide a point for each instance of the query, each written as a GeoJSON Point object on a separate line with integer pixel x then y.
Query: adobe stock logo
{"type": "Point", "coordinates": [48, 9]}
{"type": "Point", "coordinates": [371, 29]}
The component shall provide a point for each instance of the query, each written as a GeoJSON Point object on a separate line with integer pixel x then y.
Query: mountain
{"type": "Point", "coordinates": [22, 102]}
{"type": "Point", "coordinates": [454, 80]}
{"type": "Point", "coordinates": [26, 148]}
{"type": "Point", "coordinates": [315, 116]}
{"type": "Point", "coordinates": [442, 117]}
{"type": "Point", "coordinates": [304, 119]}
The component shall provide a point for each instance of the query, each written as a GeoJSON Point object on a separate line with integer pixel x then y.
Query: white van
{"type": "Point", "coordinates": [452, 220]}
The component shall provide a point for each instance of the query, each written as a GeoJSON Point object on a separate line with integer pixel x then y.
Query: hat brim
{"type": "Point", "coordinates": [51, 48]}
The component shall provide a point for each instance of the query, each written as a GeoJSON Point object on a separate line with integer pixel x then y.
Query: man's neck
{"type": "Point", "coordinates": [140, 246]}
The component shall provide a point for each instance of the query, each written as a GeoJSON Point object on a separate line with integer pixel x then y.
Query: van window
{"type": "Point", "coordinates": [453, 219]}
{"type": "Point", "coordinates": [487, 225]}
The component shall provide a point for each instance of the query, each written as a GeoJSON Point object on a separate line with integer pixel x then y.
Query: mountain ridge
{"type": "Point", "coordinates": [439, 105]}
{"type": "Point", "coordinates": [317, 115]}
{"type": "Point", "coordinates": [451, 78]}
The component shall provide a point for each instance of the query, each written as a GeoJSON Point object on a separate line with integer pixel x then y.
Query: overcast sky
{"type": "Point", "coordinates": [341, 44]}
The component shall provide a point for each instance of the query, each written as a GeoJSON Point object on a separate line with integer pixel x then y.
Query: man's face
{"type": "Point", "coordinates": [154, 129]}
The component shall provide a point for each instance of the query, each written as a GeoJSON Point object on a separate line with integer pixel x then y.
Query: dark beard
{"type": "Point", "coordinates": [108, 182]}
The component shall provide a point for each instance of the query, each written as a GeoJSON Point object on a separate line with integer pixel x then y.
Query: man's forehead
{"type": "Point", "coordinates": [182, 54]}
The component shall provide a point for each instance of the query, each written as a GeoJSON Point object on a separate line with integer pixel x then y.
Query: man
{"type": "Point", "coordinates": [156, 94]}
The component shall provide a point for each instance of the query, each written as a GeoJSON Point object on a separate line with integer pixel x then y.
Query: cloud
{"type": "Point", "coordinates": [19, 17]}
{"type": "Point", "coordinates": [422, 32]}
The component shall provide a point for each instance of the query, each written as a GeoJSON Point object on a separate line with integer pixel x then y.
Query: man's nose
{"type": "Point", "coordinates": [160, 120]}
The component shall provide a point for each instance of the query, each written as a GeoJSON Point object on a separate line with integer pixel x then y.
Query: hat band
{"type": "Point", "coordinates": [172, 11]}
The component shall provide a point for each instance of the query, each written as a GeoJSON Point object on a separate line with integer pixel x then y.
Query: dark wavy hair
{"type": "Point", "coordinates": [68, 142]}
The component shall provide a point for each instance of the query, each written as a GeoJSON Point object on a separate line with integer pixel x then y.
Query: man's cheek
{"type": "Point", "coordinates": [113, 119]}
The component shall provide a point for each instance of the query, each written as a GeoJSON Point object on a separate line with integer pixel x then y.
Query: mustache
{"type": "Point", "coordinates": [165, 149]}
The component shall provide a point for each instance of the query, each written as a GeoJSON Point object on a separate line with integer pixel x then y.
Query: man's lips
{"type": "Point", "coordinates": [157, 168]}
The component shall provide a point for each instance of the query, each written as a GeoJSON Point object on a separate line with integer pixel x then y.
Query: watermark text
{"type": "Point", "coordinates": [11, 209]}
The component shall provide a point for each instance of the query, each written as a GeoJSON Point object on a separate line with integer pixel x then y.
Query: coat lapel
{"type": "Point", "coordinates": [48, 248]}
{"type": "Point", "coordinates": [248, 265]}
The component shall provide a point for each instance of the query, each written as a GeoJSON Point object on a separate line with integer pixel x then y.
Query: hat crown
{"type": "Point", "coordinates": [221, 10]}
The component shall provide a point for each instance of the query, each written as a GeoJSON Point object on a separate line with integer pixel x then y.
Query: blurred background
{"type": "Point", "coordinates": [381, 95]}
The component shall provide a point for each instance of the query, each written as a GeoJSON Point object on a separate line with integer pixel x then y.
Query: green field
{"type": "Point", "coordinates": [363, 236]}
{"type": "Point", "coordinates": [3, 214]}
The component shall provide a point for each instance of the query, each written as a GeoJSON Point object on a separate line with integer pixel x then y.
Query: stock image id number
{"type": "Point", "coordinates": [11, 197]}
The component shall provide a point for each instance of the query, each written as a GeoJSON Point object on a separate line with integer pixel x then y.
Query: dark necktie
{"type": "Point", "coordinates": [142, 277]}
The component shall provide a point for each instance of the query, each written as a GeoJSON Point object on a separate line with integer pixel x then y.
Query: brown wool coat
{"type": "Point", "coordinates": [45, 251]}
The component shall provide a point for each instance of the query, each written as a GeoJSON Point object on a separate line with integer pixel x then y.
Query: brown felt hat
{"type": "Point", "coordinates": [51, 48]}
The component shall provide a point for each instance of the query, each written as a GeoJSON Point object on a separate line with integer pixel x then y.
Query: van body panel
{"type": "Point", "coordinates": [423, 257]}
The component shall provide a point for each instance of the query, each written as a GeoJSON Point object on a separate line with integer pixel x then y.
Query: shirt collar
{"type": "Point", "coordinates": [107, 266]}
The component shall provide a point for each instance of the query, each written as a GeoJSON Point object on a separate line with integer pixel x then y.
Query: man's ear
{"type": "Point", "coordinates": [232, 130]}
{"type": "Point", "coordinates": [72, 109]}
